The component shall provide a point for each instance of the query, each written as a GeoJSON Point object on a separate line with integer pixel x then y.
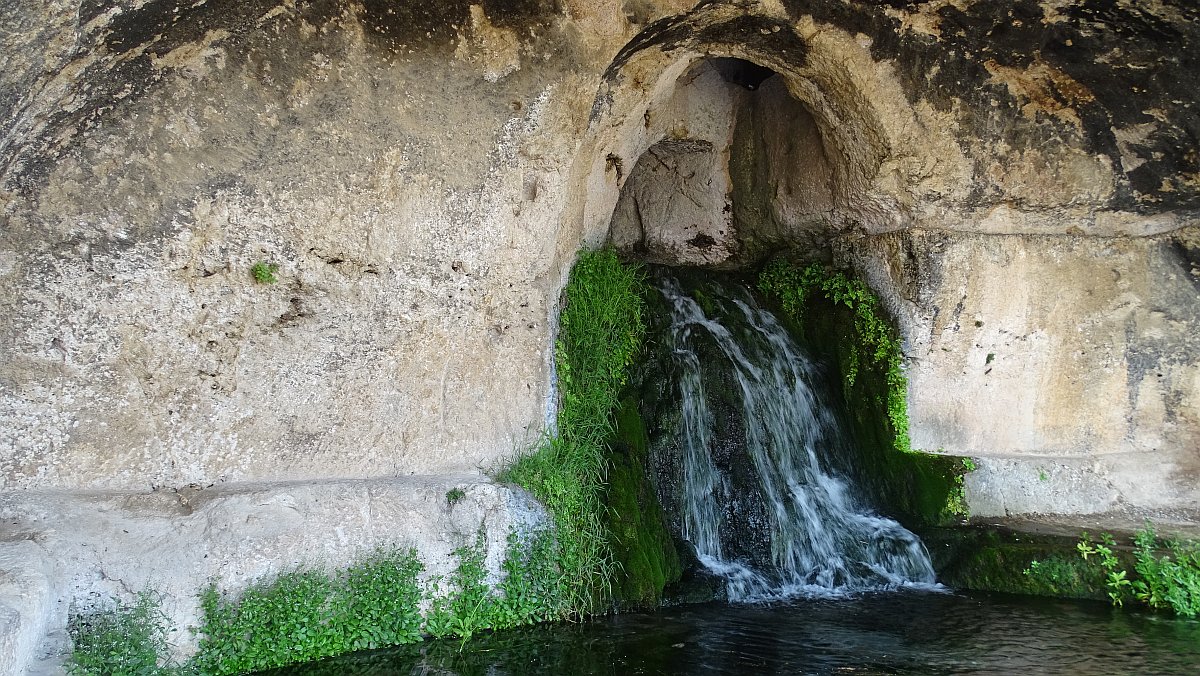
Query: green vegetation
{"type": "Point", "coordinates": [1165, 574]}
{"type": "Point", "coordinates": [120, 639]}
{"type": "Point", "coordinates": [305, 615]}
{"type": "Point", "coordinates": [468, 605]}
{"type": "Point", "coordinates": [994, 559]}
{"type": "Point", "coordinates": [841, 317]}
{"type": "Point", "coordinates": [876, 344]}
{"type": "Point", "coordinates": [642, 545]}
{"type": "Point", "coordinates": [600, 333]}
{"type": "Point", "coordinates": [264, 272]}
{"type": "Point", "coordinates": [1061, 575]}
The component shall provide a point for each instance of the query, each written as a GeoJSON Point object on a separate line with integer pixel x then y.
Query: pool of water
{"type": "Point", "coordinates": [885, 633]}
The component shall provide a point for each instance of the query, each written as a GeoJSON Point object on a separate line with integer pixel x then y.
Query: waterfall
{"type": "Point", "coordinates": [787, 526]}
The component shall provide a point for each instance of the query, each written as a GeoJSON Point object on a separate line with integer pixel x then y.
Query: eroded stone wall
{"type": "Point", "coordinates": [423, 174]}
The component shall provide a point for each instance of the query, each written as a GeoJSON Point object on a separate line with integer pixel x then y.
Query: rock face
{"type": "Point", "coordinates": [1021, 179]}
{"type": "Point", "coordinates": [74, 551]}
{"type": "Point", "coordinates": [1069, 361]}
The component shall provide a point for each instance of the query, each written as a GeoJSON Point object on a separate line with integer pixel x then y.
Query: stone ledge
{"type": "Point", "coordinates": [62, 552]}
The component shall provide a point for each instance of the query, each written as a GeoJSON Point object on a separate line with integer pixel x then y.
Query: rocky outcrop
{"type": "Point", "coordinates": [1067, 364]}
{"type": "Point", "coordinates": [422, 174]}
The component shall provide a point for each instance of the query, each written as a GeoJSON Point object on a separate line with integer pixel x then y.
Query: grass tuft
{"type": "Point", "coordinates": [600, 332]}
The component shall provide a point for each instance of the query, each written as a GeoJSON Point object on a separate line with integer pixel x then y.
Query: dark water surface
{"type": "Point", "coordinates": [883, 633]}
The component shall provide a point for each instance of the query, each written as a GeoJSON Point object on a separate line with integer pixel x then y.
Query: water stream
{"type": "Point", "coordinates": [816, 536]}
{"type": "Point", "coordinates": [755, 488]}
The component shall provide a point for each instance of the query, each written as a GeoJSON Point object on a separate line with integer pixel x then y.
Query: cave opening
{"type": "Point", "coordinates": [737, 169]}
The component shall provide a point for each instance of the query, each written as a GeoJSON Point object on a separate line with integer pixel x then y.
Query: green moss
{"type": "Point", "coordinates": [991, 559]}
{"type": "Point", "coordinates": [840, 317]}
{"type": "Point", "coordinates": [642, 546]}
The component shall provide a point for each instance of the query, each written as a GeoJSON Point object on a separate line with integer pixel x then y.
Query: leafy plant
{"type": "Point", "coordinates": [877, 342]}
{"type": "Point", "coordinates": [1167, 581]}
{"type": "Point", "coordinates": [305, 615]}
{"type": "Point", "coordinates": [264, 272]}
{"type": "Point", "coordinates": [454, 495]}
{"type": "Point", "coordinates": [1116, 579]}
{"type": "Point", "coordinates": [120, 640]}
{"type": "Point", "coordinates": [1161, 582]}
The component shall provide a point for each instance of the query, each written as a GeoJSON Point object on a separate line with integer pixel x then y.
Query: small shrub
{"type": "Point", "coordinates": [121, 640]}
{"type": "Point", "coordinates": [264, 272]}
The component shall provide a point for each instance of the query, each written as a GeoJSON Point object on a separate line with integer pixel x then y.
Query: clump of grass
{"type": "Point", "coordinates": [264, 272]}
{"type": "Point", "coordinates": [309, 614]}
{"type": "Point", "coordinates": [120, 639]}
{"type": "Point", "coordinates": [601, 331]}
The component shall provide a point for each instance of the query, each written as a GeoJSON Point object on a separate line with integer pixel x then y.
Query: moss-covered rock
{"type": "Point", "coordinates": [1002, 560]}
{"type": "Point", "coordinates": [642, 546]}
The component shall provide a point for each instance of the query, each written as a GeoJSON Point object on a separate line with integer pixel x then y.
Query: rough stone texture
{"type": "Point", "coordinates": [675, 205]}
{"type": "Point", "coordinates": [114, 545]}
{"type": "Point", "coordinates": [405, 281]}
{"type": "Point", "coordinates": [423, 174]}
{"type": "Point", "coordinates": [28, 578]}
{"type": "Point", "coordinates": [1070, 364]}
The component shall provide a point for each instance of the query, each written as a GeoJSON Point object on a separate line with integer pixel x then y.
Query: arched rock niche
{"type": "Point", "coordinates": [995, 235]}
{"type": "Point", "coordinates": [691, 166]}
{"type": "Point", "coordinates": [742, 166]}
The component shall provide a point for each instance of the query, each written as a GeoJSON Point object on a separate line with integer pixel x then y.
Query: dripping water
{"type": "Point", "coordinates": [814, 536]}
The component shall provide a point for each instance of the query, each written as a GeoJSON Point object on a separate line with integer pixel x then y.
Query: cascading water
{"type": "Point", "coordinates": [786, 526]}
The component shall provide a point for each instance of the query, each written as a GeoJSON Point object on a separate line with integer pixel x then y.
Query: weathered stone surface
{"type": "Point", "coordinates": [423, 174]}
{"type": "Point", "coordinates": [1069, 364]}
{"type": "Point", "coordinates": [61, 552]}
{"type": "Point", "coordinates": [28, 591]}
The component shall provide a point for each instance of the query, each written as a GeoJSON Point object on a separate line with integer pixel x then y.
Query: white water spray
{"type": "Point", "coordinates": [821, 541]}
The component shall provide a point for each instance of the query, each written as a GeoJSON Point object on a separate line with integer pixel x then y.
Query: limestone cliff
{"type": "Point", "coordinates": [1019, 180]}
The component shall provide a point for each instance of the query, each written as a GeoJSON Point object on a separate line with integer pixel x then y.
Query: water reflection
{"type": "Point", "coordinates": [892, 633]}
